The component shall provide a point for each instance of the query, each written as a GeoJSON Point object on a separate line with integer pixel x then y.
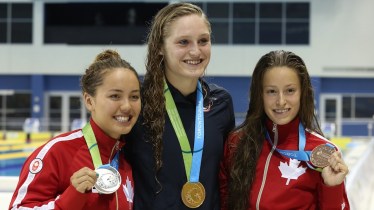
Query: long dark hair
{"type": "Point", "coordinates": [252, 130]}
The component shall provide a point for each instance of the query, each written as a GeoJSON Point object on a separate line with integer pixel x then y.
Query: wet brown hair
{"type": "Point", "coordinates": [103, 63]}
{"type": "Point", "coordinates": [247, 151]}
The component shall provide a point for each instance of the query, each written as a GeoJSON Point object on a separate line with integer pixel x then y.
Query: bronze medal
{"type": "Point", "coordinates": [193, 194]}
{"type": "Point", "coordinates": [320, 155]}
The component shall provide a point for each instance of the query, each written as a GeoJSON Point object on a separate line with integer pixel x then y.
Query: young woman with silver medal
{"type": "Point", "coordinates": [68, 172]}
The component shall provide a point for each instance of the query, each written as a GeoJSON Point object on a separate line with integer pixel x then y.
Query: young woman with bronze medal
{"type": "Point", "coordinates": [278, 157]}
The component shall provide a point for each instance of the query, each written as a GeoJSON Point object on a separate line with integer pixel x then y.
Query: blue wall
{"type": "Point", "coordinates": [347, 85]}
{"type": "Point", "coordinates": [15, 82]}
{"type": "Point", "coordinates": [238, 87]}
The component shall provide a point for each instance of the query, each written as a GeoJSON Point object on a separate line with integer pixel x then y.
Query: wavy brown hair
{"type": "Point", "coordinates": [243, 168]}
{"type": "Point", "coordinates": [153, 84]}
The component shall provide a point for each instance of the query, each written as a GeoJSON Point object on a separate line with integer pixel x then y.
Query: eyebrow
{"type": "Point", "coordinates": [277, 86]}
{"type": "Point", "coordinates": [188, 36]}
{"type": "Point", "coordinates": [137, 90]}
{"type": "Point", "coordinates": [118, 90]}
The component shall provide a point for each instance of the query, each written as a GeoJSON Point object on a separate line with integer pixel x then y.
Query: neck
{"type": "Point", "coordinates": [285, 132]}
{"type": "Point", "coordinates": [185, 86]}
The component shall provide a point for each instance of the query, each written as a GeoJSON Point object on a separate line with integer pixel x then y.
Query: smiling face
{"type": "Point", "coordinates": [281, 94]}
{"type": "Point", "coordinates": [116, 104]}
{"type": "Point", "coordinates": [186, 49]}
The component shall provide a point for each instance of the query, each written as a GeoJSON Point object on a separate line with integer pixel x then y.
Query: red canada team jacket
{"type": "Point", "coordinates": [275, 188]}
{"type": "Point", "coordinates": [44, 182]}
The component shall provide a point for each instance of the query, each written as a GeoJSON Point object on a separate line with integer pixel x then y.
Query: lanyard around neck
{"type": "Point", "coordinates": [90, 139]}
{"type": "Point", "coordinates": [191, 159]}
{"type": "Point", "coordinates": [301, 154]}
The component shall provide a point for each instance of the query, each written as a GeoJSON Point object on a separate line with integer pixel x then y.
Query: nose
{"type": "Point", "coordinates": [125, 106]}
{"type": "Point", "coordinates": [281, 99]}
{"type": "Point", "coordinates": [194, 50]}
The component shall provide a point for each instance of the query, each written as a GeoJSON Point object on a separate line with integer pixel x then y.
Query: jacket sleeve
{"type": "Point", "coordinates": [231, 115]}
{"type": "Point", "coordinates": [71, 199]}
{"type": "Point", "coordinates": [333, 197]}
{"type": "Point", "coordinates": [40, 185]}
{"type": "Point", "coordinates": [225, 97]}
{"type": "Point", "coordinates": [224, 173]}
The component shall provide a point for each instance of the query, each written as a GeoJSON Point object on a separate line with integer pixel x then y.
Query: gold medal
{"type": "Point", "coordinates": [320, 155]}
{"type": "Point", "coordinates": [193, 194]}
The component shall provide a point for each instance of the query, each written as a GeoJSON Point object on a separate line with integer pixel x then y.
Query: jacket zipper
{"type": "Point", "coordinates": [115, 148]}
{"type": "Point", "coordinates": [275, 131]}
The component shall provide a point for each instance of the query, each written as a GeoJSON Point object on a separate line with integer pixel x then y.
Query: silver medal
{"type": "Point", "coordinates": [109, 179]}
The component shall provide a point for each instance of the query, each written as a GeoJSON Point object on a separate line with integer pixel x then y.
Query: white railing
{"type": "Point", "coordinates": [7, 186]}
{"type": "Point", "coordinates": [360, 180]}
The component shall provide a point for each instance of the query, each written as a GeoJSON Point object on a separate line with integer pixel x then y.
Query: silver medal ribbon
{"type": "Point", "coordinates": [109, 179]}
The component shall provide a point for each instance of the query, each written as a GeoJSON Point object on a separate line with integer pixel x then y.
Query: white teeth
{"type": "Point", "coordinates": [122, 119]}
{"type": "Point", "coordinates": [281, 110]}
{"type": "Point", "coordinates": [193, 62]}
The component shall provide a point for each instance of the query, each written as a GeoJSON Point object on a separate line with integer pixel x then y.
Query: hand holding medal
{"type": "Point", "coordinates": [336, 171]}
{"type": "Point", "coordinates": [83, 180]}
{"type": "Point", "coordinates": [105, 179]}
{"type": "Point", "coordinates": [108, 179]}
{"type": "Point", "coordinates": [320, 157]}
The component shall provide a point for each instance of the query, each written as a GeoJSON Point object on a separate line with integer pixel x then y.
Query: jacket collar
{"type": "Point", "coordinates": [191, 98]}
{"type": "Point", "coordinates": [105, 142]}
{"type": "Point", "coordinates": [287, 134]}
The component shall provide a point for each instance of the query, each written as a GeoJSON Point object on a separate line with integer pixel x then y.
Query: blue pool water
{"type": "Point", "coordinates": [11, 167]}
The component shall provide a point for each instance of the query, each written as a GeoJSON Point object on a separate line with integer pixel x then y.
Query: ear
{"type": "Point", "coordinates": [88, 101]}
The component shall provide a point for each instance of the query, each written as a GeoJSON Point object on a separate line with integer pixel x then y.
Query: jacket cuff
{"type": "Point", "coordinates": [72, 199]}
{"type": "Point", "coordinates": [333, 194]}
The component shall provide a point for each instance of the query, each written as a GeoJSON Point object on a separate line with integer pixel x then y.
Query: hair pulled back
{"type": "Point", "coordinates": [104, 62]}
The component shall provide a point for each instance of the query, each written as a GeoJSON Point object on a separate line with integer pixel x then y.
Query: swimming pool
{"type": "Point", "coordinates": [11, 167]}
{"type": "Point", "coordinates": [13, 154]}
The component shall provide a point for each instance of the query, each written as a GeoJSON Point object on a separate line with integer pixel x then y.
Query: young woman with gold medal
{"type": "Point", "coordinates": [178, 142]}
